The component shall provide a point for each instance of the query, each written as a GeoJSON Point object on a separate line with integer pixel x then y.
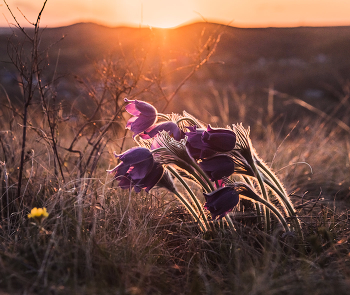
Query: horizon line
{"type": "Point", "coordinates": [145, 26]}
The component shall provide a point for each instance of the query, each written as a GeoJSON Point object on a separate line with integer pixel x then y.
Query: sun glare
{"type": "Point", "coordinates": [165, 14]}
{"type": "Point", "coordinates": [165, 24]}
{"type": "Point", "coordinates": [170, 14]}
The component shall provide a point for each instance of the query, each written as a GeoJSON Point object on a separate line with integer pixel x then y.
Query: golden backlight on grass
{"type": "Point", "coordinates": [189, 207]}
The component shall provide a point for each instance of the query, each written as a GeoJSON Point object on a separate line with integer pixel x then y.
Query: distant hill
{"type": "Point", "coordinates": [308, 62]}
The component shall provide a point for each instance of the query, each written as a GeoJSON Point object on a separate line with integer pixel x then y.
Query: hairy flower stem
{"type": "Point", "coordinates": [278, 188]}
{"type": "Point", "coordinates": [203, 183]}
{"type": "Point", "coordinates": [160, 149]}
{"type": "Point", "coordinates": [186, 119]}
{"type": "Point", "coordinates": [190, 209]}
{"type": "Point", "coordinates": [160, 115]}
{"type": "Point", "coordinates": [193, 196]}
{"type": "Point", "coordinates": [202, 173]}
{"type": "Point", "coordinates": [257, 206]}
{"type": "Point", "coordinates": [281, 196]}
{"type": "Point", "coordinates": [205, 186]}
{"type": "Point", "coordinates": [274, 210]}
{"type": "Point", "coordinates": [290, 209]}
{"type": "Point", "coordinates": [264, 193]}
{"type": "Point", "coordinates": [271, 175]}
{"type": "Point", "coordinates": [230, 223]}
{"type": "Point", "coordinates": [280, 191]}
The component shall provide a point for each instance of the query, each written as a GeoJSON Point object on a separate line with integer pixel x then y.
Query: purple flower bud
{"type": "Point", "coordinates": [151, 179]}
{"type": "Point", "coordinates": [171, 127]}
{"type": "Point", "coordinates": [136, 162]}
{"type": "Point", "coordinates": [206, 143]}
{"type": "Point", "coordinates": [219, 139]}
{"type": "Point", "coordinates": [221, 201]}
{"type": "Point", "coordinates": [195, 146]}
{"type": "Point", "coordinates": [218, 167]}
{"type": "Point", "coordinates": [145, 115]}
{"type": "Point", "coordinates": [137, 170]}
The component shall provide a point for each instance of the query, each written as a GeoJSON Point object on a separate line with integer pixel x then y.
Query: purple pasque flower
{"type": "Point", "coordinates": [206, 143]}
{"type": "Point", "coordinates": [169, 126]}
{"type": "Point", "coordinates": [137, 170]}
{"type": "Point", "coordinates": [221, 201]}
{"type": "Point", "coordinates": [145, 115]}
{"type": "Point", "coordinates": [219, 139]}
{"type": "Point", "coordinates": [218, 167]}
{"type": "Point", "coordinates": [195, 146]}
{"type": "Point", "coordinates": [151, 179]}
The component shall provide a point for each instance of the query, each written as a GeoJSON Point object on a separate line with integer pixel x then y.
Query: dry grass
{"type": "Point", "coordinates": [99, 239]}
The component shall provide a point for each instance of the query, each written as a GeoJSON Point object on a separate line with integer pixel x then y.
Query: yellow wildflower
{"type": "Point", "coordinates": [38, 214]}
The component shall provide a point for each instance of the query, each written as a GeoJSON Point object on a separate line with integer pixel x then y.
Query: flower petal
{"type": "Point", "coordinates": [135, 155]}
{"type": "Point", "coordinates": [136, 107]}
{"type": "Point", "coordinates": [169, 126]}
{"type": "Point", "coordinates": [131, 109]}
{"type": "Point", "coordinates": [140, 124]}
{"type": "Point", "coordinates": [146, 108]}
{"type": "Point", "coordinates": [145, 115]}
{"type": "Point", "coordinates": [124, 182]}
{"type": "Point", "coordinates": [141, 169]}
{"type": "Point", "coordinates": [218, 167]}
{"type": "Point", "coordinates": [120, 169]}
{"type": "Point", "coordinates": [221, 201]}
{"type": "Point", "coordinates": [219, 139]}
{"type": "Point", "coordinates": [151, 179]}
{"type": "Point", "coordinates": [130, 122]}
{"type": "Point", "coordinates": [194, 142]}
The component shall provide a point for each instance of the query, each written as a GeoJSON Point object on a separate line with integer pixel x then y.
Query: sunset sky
{"type": "Point", "coordinates": [169, 13]}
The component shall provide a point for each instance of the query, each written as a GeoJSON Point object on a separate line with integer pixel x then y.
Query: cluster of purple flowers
{"type": "Point", "coordinates": [185, 148]}
{"type": "Point", "coordinates": [209, 148]}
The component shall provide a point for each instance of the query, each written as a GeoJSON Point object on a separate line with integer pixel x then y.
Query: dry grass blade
{"type": "Point", "coordinates": [313, 109]}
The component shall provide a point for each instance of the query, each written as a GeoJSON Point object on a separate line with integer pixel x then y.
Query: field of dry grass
{"type": "Point", "coordinates": [99, 239]}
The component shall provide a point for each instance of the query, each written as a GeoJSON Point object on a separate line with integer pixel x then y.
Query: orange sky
{"type": "Point", "coordinates": [168, 13]}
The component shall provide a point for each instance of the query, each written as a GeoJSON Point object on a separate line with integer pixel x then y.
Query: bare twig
{"type": "Point", "coordinates": [210, 44]}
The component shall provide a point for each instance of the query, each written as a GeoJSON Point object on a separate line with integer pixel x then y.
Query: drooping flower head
{"type": "Point", "coordinates": [145, 115]}
{"type": "Point", "coordinates": [219, 139]}
{"type": "Point", "coordinates": [218, 167]}
{"type": "Point", "coordinates": [194, 143]}
{"type": "Point", "coordinates": [221, 201]}
{"type": "Point", "coordinates": [137, 170]}
{"type": "Point", "coordinates": [206, 143]}
{"type": "Point", "coordinates": [169, 126]}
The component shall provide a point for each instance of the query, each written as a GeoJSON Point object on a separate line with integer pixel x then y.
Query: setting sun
{"type": "Point", "coordinates": [162, 23]}
{"type": "Point", "coordinates": [169, 13]}
{"type": "Point", "coordinates": [165, 14]}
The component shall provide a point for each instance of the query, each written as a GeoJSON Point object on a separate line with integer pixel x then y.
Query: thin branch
{"type": "Point", "coordinates": [17, 23]}
{"type": "Point", "coordinates": [195, 68]}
